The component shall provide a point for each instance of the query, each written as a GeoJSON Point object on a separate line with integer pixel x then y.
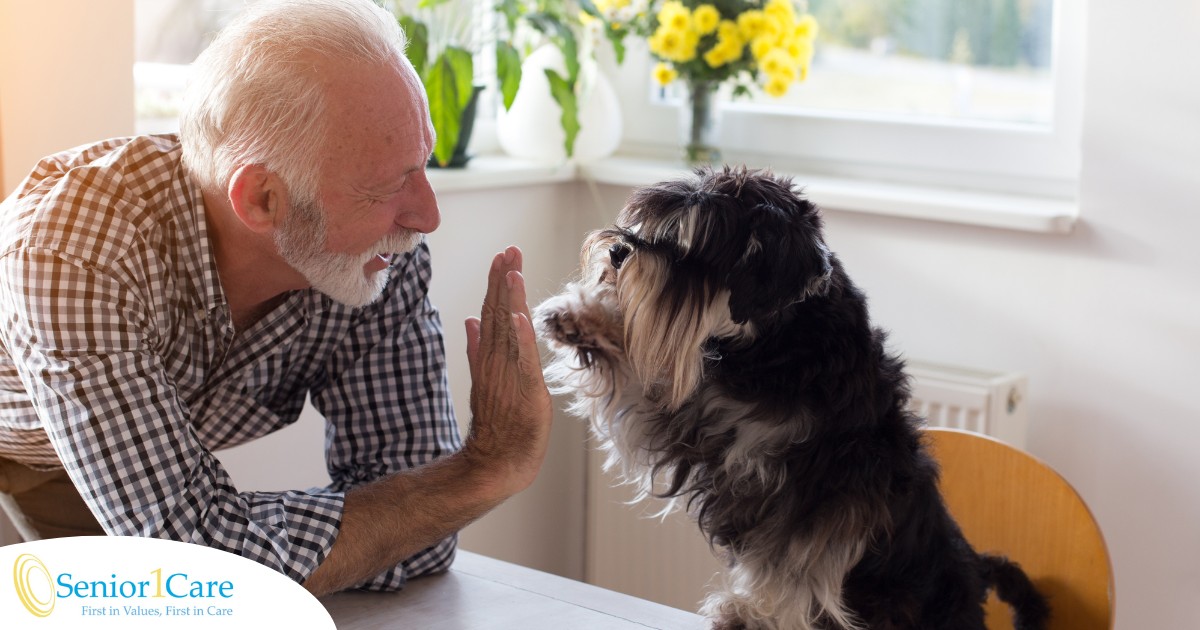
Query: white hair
{"type": "Point", "coordinates": [255, 96]}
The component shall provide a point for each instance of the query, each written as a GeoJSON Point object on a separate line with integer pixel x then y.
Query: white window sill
{"type": "Point", "coordinates": [996, 210]}
{"type": "Point", "coordinates": [499, 171]}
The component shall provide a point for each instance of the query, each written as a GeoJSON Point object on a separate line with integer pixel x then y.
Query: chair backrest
{"type": "Point", "coordinates": [1009, 503]}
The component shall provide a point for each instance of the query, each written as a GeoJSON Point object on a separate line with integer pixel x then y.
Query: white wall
{"type": "Point", "coordinates": [66, 78]}
{"type": "Point", "coordinates": [543, 526]}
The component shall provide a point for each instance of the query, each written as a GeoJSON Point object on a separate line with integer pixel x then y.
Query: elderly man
{"type": "Point", "coordinates": [165, 297]}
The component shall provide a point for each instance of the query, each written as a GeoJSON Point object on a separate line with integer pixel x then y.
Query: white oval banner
{"type": "Point", "coordinates": [126, 582]}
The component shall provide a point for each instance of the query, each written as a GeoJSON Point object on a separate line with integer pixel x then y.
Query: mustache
{"type": "Point", "coordinates": [401, 242]}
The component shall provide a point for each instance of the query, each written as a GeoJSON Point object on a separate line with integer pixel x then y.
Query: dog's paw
{"type": "Point", "coordinates": [729, 624]}
{"type": "Point", "coordinates": [563, 327]}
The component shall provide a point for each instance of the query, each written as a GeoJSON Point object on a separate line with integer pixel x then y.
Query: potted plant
{"type": "Point", "coordinates": [764, 45]}
{"type": "Point", "coordinates": [441, 47]}
{"type": "Point", "coordinates": [558, 23]}
{"type": "Point", "coordinates": [442, 44]}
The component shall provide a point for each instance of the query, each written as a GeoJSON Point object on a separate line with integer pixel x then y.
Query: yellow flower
{"type": "Point", "coordinates": [691, 39]}
{"type": "Point", "coordinates": [772, 27]}
{"type": "Point", "coordinates": [675, 16]}
{"type": "Point", "coordinates": [674, 44]}
{"type": "Point", "coordinates": [724, 52]}
{"type": "Point", "coordinates": [776, 62]}
{"type": "Point", "coordinates": [776, 87]}
{"type": "Point", "coordinates": [761, 46]}
{"type": "Point", "coordinates": [664, 74]}
{"type": "Point", "coordinates": [801, 50]}
{"type": "Point", "coordinates": [751, 24]}
{"type": "Point", "coordinates": [655, 43]}
{"type": "Point", "coordinates": [669, 41]}
{"type": "Point", "coordinates": [705, 18]}
{"type": "Point", "coordinates": [781, 10]}
{"type": "Point", "coordinates": [715, 57]}
{"type": "Point", "coordinates": [728, 30]}
{"type": "Point", "coordinates": [807, 28]}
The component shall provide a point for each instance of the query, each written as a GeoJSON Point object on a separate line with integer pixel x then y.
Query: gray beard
{"type": "Point", "coordinates": [301, 242]}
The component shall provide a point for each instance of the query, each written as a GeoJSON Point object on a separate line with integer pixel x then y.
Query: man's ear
{"type": "Point", "coordinates": [258, 197]}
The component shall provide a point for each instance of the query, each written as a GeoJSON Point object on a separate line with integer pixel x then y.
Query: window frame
{"type": "Point", "coordinates": [987, 156]}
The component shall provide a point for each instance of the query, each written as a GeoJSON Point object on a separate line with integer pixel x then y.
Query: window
{"type": "Point", "coordinates": [933, 60]}
{"type": "Point", "coordinates": [981, 94]}
{"type": "Point", "coordinates": [169, 35]}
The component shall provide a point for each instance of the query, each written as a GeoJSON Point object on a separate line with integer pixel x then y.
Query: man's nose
{"type": "Point", "coordinates": [421, 213]}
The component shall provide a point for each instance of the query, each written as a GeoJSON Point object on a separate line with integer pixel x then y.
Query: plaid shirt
{"type": "Point", "coordinates": [121, 364]}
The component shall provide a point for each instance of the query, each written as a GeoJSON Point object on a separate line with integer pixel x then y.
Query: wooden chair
{"type": "Point", "coordinates": [1008, 502]}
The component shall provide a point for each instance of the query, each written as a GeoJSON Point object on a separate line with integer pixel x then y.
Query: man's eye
{"type": "Point", "coordinates": [617, 254]}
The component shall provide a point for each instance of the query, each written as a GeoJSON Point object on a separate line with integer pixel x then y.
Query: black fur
{"type": "Point", "coordinates": [856, 470]}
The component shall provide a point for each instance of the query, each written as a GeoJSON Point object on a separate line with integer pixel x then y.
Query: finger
{"type": "Point", "coordinates": [494, 280]}
{"type": "Point", "coordinates": [518, 257]}
{"type": "Point", "coordinates": [530, 362]}
{"type": "Point", "coordinates": [514, 344]}
{"type": "Point", "coordinates": [490, 330]}
{"type": "Point", "coordinates": [472, 325]}
{"type": "Point", "coordinates": [511, 261]}
{"type": "Point", "coordinates": [518, 293]}
{"type": "Point", "coordinates": [502, 323]}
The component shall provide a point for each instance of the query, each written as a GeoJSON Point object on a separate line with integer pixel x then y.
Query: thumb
{"type": "Point", "coordinates": [472, 325]}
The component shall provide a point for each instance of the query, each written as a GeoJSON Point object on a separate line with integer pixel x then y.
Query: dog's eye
{"type": "Point", "coordinates": [617, 254]}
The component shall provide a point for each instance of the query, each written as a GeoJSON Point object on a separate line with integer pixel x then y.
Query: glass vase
{"type": "Point", "coordinates": [700, 123]}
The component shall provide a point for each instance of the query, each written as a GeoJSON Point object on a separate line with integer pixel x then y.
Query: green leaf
{"type": "Point", "coordinates": [463, 68]}
{"type": "Point", "coordinates": [512, 10]}
{"type": "Point", "coordinates": [617, 37]}
{"type": "Point", "coordinates": [589, 8]}
{"type": "Point", "coordinates": [441, 87]}
{"type": "Point", "coordinates": [563, 92]}
{"type": "Point", "coordinates": [429, 4]}
{"type": "Point", "coordinates": [418, 43]}
{"type": "Point", "coordinates": [562, 36]}
{"type": "Point", "coordinates": [508, 72]}
{"type": "Point", "coordinates": [570, 51]}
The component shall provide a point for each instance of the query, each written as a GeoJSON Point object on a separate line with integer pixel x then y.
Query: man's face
{"type": "Point", "coordinates": [352, 279]}
{"type": "Point", "coordinates": [375, 200]}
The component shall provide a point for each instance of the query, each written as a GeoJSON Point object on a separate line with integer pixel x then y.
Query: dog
{"type": "Point", "coordinates": [727, 363]}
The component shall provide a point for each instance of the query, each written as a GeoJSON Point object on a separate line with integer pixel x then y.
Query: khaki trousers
{"type": "Point", "coordinates": [44, 504]}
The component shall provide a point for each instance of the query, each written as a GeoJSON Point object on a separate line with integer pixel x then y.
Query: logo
{"type": "Point", "coordinates": [29, 575]}
{"type": "Point", "coordinates": [127, 583]}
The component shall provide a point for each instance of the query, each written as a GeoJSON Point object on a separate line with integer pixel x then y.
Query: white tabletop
{"type": "Point", "coordinates": [484, 593]}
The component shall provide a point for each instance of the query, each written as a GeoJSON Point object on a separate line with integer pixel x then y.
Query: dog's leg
{"type": "Point", "coordinates": [759, 597]}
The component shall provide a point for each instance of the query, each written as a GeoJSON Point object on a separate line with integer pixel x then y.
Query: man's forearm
{"type": "Point", "coordinates": [393, 518]}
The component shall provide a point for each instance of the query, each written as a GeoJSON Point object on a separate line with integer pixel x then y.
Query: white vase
{"type": "Point", "coordinates": [532, 127]}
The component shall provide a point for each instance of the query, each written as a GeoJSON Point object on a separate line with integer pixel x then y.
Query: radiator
{"type": "Point", "coordinates": [666, 560]}
{"type": "Point", "coordinates": [987, 402]}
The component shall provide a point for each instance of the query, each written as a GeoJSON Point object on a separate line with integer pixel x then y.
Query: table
{"type": "Point", "coordinates": [479, 592]}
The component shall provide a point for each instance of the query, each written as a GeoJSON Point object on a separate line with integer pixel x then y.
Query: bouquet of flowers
{"type": "Point", "coordinates": [750, 43]}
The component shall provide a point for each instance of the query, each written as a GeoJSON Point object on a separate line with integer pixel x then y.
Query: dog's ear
{"type": "Point", "coordinates": [785, 261]}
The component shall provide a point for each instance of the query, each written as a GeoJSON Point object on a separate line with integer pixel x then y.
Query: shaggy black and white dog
{"type": "Point", "coordinates": [726, 361]}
